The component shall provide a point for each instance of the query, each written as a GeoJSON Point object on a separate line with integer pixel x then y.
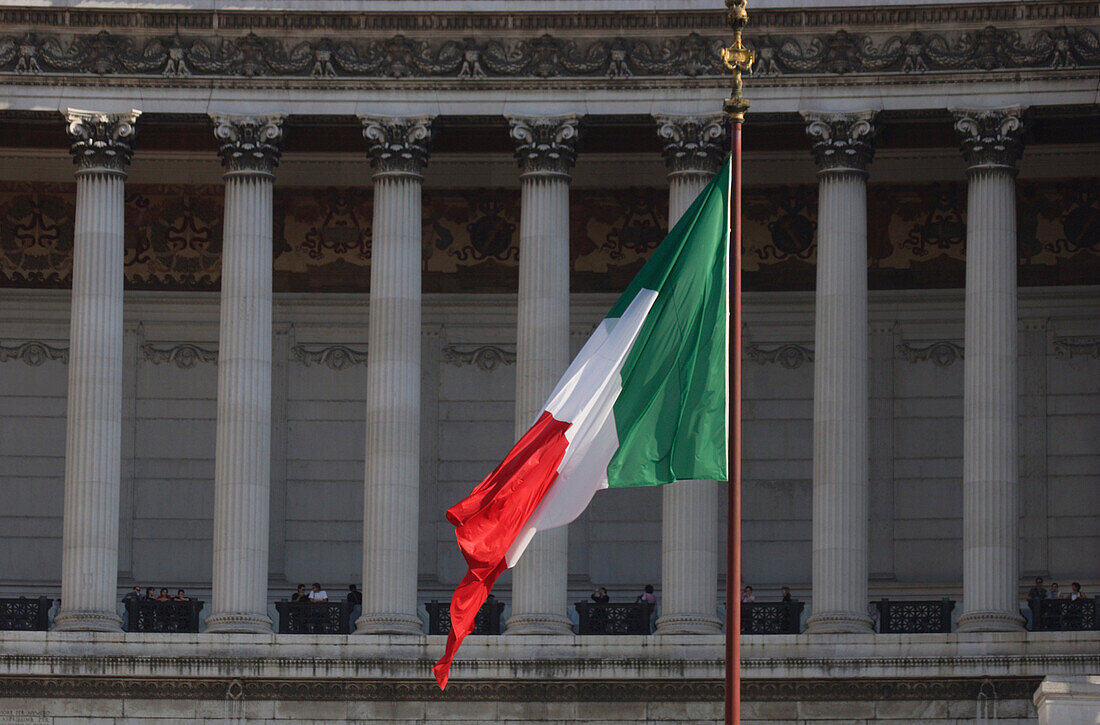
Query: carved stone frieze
{"type": "Point", "coordinates": [693, 143]}
{"type": "Point", "coordinates": [545, 144]}
{"type": "Point", "coordinates": [563, 690]}
{"type": "Point", "coordinates": [942, 354]}
{"type": "Point", "coordinates": [101, 140]}
{"type": "Point", "coordinates": [249, 143]}
{"type": "Point", "coordinates": [334, 357]}
{"type": "Point", "coordinates": [842, 141]}
{"type": "Point", "coordinates": [34, 353]}
{"type": "Point", "coordinates": [484, 357]}
{"type": "Point", "coordinates": [398, 145]}
{"type": "Point", "coordinates": [618, 59]}
{"type": "Point", "coordinates": [1067, 347]}
{"type": "Point", "coordinates": [990, 137]}
{"type": "Point", "coordinates": [184, 356]}
{"type": "Point", "coordinates": [789, 356]}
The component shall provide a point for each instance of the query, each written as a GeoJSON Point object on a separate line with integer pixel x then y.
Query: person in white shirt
{"type": "Point", "coordinates": [1075, 591]}
{"type": "Point", "coordinates": [318, 594]}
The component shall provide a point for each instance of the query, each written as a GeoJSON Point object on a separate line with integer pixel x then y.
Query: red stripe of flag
{"type": "Point", "coordinates": [489, 520]}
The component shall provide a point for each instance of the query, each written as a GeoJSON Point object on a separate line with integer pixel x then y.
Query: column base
{"type": "Point", "coordinates": [839, 623]}
{"type": "Point", "coordinates": [388, 624]}
{"type": "Point", "coordinates": [688, 624]}
{"type": "Point", "coordinates": [87, 621]}
{"type": "Point", "coordinates": [989, 621]}
{"type": "Point", "coordinates": [538, 624]}
{"type": "Point", "coordinates": [238, 623]}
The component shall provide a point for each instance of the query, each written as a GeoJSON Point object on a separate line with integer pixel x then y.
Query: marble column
{"type": "Point", "coordinates": [694, 149]}
{"type": "Point", "coordinates": [546, 151]}
{"type": "Point", "coordinates": [249, 147]}
{"type": "Point", "coordinates": [398, 149]}
{"type": "Point", "coordinates": [990, 145]}
{"type": "Point", "coordinates": [101, 149]}
{"type": "Point", "coordinates": [842, 147]}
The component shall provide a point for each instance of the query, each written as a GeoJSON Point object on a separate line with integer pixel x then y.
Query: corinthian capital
{"type": "Point", "coordinates": [693, 143]}
{"type": "Point", "coordinates": [249, 143]}
{"type": "Point", "coordinates": [990, 137]}
{"type": "Point", "coordinates": [545, 145]}
{"type": "Point", "coordinates": [398, 145]}
{"type": "Point", "coordinates": [101, 140]}
{"type": "Point", "coordinates": [842, 140]}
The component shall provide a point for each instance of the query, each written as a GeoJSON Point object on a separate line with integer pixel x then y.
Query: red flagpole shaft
{"type": "Point", "coordinates": [733, 506]}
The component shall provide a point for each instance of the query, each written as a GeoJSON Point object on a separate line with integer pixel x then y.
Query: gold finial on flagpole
{"type": "Point", "coordinates": [737, 58]}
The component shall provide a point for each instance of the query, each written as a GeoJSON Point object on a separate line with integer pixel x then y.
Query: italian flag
{"type": "Point", "coordinates": [643, 404]}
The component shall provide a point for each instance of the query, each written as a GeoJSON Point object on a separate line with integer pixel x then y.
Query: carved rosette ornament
{"type": "Point", "coordinates": [842, 141]}
{"type": "Point", "coordinates": [398, 145]}
{"type": "Point", "coordinates": [990, 137]}
{"type": "Point", "coordinates": [101, 140]}
{"type": "Point", "coordinates": [545, 145]}
{"type": "Point", "coordinates": [249, 143]}
{"type": "Point", "coordinates": [693, 143]}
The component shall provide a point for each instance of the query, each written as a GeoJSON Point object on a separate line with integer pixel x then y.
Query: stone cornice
{"type": "Point", "coordinates": [540, 690]}
{"type": "Point", "coordinates": [474, 48]}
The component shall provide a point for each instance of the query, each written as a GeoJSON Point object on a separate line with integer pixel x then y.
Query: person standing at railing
{"type": "Point", "coordinates": [318, 594]}
{"type": "Point", "coordinates": [647, 598]}
{"type": "Point", "coordinates": [301, 595]}
{"type": "Point", "coordinates": [150, 595]}
{"type": "Point", "coordinates": [181, 596]}
{"type": "Point", "coordinates": [134, 595]}
{"type": "Point", "coordinates": [600, 596]}
{"type": "Point", "coordinates": [747, 596]}
{"type": "Point", "coordinates": [1054, 593]}
{"type": "Point", "coordinates": [786, 595]}
{"type": "Point", "coordinates": [1075, 592]}
{"type": "Point", "coordinates": [1038, 591]}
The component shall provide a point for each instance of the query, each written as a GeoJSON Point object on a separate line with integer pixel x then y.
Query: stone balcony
{"type": "Point", "coordinates": [947, 678]}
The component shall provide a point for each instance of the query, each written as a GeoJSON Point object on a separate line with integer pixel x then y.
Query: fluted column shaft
{"type": "Point", "coordinates": [545, 150]}
{"type": "Point", "coordinates": [391, 493]}
{"type": "Point", "coordinates": [694, 149]}
{"type": "Point", "coordinates": [242, 460]}
{"type": "Point", "coordinates": [841, 457]}
{"type": "Point", "coordinates": [89, 562]}
{"type": "Point", "coordinates": [990, 474]}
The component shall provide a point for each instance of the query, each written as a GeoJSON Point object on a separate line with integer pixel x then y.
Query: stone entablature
{"type": "Point", "coordinates": [480, 47]}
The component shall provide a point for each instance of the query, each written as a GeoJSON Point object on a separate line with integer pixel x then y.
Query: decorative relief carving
{"type": "Point", "coordinates": [547, 144]}
{"type": "Point", "coordinates": [334, 357]}
{"type": "Point", "coordinates": [398, 144]}
{"type": "Point", "coordinates": [990, 137]}
{"type": "Point", "coordinates": [693, 143]}
{"type": "Point", "coordinates": [34, 353]}
{"type": "Point", "coordinates": [1067, 347]}
{"type": "Point", "coordinates": [839, 52]}
{"type": "Point", "coordinates": [485, 357]}
{"type": "Point", "coordinates": [942, 354]}
{"type": "Point", "coordinates": [789, 356]}
{"type": "Point", "coordinates": [635, 690]}
{"type": "Point", "coordinates": [842, 140]}
{"type": "Point", "coordinates": [101, 140]}
{"type": "Point", "coordinates": [249, 143]}
{"type": "Point", "coordinates": [184, 356]}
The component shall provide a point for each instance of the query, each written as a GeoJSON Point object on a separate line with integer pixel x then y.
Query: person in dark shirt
{"type": "Point", "coordinates": [301, 595]}
{"type": "Point", "coordinates": [786, 592]}
{"type": "Point", "coordinates": [1038, 591]}
{"type": "Point", "coordinates": [354, 595]}
{"type": "Point", "coordinates": [600, 596]}
{"type": "Point", "coordinates": [150, 594]}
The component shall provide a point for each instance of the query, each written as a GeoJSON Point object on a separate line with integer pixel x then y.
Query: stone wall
{"type": "Point", "coordinates": [468, 389]}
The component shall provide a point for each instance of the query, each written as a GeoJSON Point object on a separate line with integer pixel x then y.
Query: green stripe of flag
{"type": "Point", "coordinates": [671, 416]}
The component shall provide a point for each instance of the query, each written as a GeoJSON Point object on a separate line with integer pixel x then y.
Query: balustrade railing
{"type": "Point", "coordinates": [1064, 615]}
{"type": "Point", "coordinates": [597, 618]}
{"type": "Point", "coordinates": [771, 617]}
{"type": "Point", "coordinates": [914, 617]}
{"type": "Point", "coordinates": [314, 617]}
{"type": "Point", "coordinates": [23, 614]}
{"type": "Point", "coordinates": [487, 620]}
{"type": "Point", "coordinates": [171, 616]}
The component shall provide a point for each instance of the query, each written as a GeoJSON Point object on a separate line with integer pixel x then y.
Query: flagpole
{"type": "Point", "coordinates": [738, 59]}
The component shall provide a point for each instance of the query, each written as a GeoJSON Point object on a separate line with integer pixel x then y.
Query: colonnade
{"type": "Point", "coordinates": [694, 148]}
